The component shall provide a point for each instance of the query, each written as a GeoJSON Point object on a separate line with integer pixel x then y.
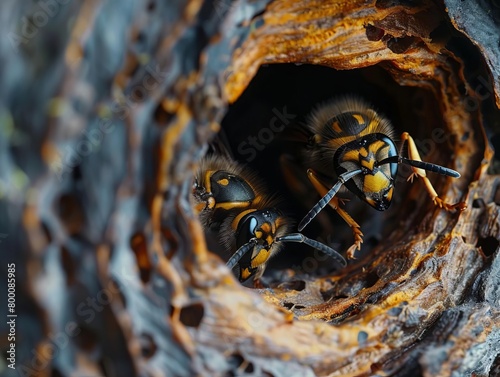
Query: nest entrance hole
{"type": "Point", "coordinates": [281, 96]}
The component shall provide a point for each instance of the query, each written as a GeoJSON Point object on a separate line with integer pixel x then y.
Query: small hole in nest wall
{"type": "Point", "coordinates": [148, 345]}
{"type": "Point", "coordinates": [259, 130]}
{"type": "Point", "coordinates": [478, 203]}
{"type": "Point", "coordinates": [191, 315]}
{"type": "Point", "coordinates": [238, 362]}
{"type": "Point", "coordinates": [495, 367]}
{"type": "Point", "coordinates": [374, 33]}
{"type": "Point", "coordinates": [401, 45]}
{"type": "Point", "coordinates": [489, 245]}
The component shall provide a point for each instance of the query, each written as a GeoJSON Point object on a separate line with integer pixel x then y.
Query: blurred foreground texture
{"type": "Point", "coordinates": [105, 109]}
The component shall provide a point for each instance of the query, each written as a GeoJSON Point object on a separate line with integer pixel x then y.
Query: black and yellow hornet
{"type": "Point", "coordinates": [351, 141]}
{"type": "Point", "coordinates": [234, 203]}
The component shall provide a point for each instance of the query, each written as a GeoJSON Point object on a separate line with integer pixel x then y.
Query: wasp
{"type": "Point", "coordinates": [350, 139]}
{"type": "Point", "coordinates": [232, 201]}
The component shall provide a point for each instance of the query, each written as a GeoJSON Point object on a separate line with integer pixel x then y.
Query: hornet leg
{"type": "Point", "coordinates": [335, 204]}
{"type": "Point", "coordinates": [417, 172]}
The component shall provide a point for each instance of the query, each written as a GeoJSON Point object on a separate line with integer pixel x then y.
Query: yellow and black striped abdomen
{"type": "Point", "coordinates": [229, 190]}
{"type": "Point", "coordinates": [344, 120]}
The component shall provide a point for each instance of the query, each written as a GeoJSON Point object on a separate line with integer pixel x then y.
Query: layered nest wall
{"type": "Point", "coordinates": [104, 125]}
